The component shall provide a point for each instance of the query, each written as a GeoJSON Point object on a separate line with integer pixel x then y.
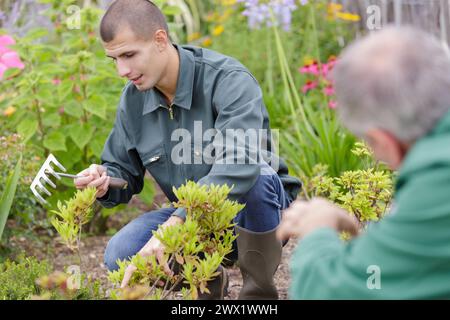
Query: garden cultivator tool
{"type": "Point", "coordinates": [48, 169]}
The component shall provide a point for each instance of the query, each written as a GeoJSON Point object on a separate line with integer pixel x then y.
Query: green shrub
{"type": "Point", "coordinates": [18, 279]}
{"type": "Point", "coordinates": [198, 246]}
{"type": "Point", "coordinates": [365, 193]}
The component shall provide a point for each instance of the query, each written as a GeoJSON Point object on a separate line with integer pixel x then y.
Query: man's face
{"type": "Point", "coordinates": [386, 147]}
{"type": "Point", "coordinates": [140, 61]}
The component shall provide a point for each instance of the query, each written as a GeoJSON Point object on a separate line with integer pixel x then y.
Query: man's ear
{"type": "Point", "coordinates": [161, 39]}
{"type": "Point", "coordinates": [387, 147]}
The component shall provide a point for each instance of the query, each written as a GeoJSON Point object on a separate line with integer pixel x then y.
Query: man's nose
{"type": "Point", "coordinates": [122, 69]}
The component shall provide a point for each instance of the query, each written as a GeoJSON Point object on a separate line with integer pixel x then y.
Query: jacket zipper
{"type": "Point", "coordinates": [170, 110]}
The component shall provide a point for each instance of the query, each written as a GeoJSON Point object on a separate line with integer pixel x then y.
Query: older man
{"type": "Point", "coordinates": [393, 90]}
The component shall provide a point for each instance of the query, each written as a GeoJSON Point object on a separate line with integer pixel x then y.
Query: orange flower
{"type": "Point", "coordinates": [206, 42]}
{"type": "Point", "coordinates": [9, 111]}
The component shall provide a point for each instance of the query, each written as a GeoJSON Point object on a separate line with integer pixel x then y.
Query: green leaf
{"type": "Point", "coordinates": [81, 134]}
{"type": "Point", "coordinates": [51, 120]}
{"type": "Point", "coordinates": [8, 195]}
{"type": "Point", "coordinates": [74, 109]}
{"type": "Point", "coordinates": [148, 192]}
{"type": "Point", "coordinates": [35, 34]}
{"type": "Point", "coordinates": [97, 143]}
{"type": "Point", "coordinates": [64, 89]}
{"type": "Point", "coordinates": [96, 105]}
{"type": "Point", "coordinates": [27, 128]}
{"type": "Point", "coordinates": [11, 73]}
{"type": "Point", "coordinates": [69, 158]}
{"type": "Point", "coordinates": [55, 141]}
{"type": "Point", "coordinates": [171, 10]}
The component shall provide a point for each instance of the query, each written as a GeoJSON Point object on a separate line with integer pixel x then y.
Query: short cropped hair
{"type": "Point", "coordinates": [142, 16]}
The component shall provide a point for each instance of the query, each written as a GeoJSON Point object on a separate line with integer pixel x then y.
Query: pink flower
{"type": "Point", "coordinates": [329, 90]}
{"type": "Point", "coordinates": [8, 57]}
{"type": "Point", "coordinates": [312, 68]}
{"type": "Point", "coordinates": [4, 42]}
{"type": "Point", "coordinates": [332, 104]}
{"type": "Point", "coordinates": [310, 85]}
{"type": "Point", "coordinates": [327, 67]}
{"type": "Point", "coordinates": [56, 81]}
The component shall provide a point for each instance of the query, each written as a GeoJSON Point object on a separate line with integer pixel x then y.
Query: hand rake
{"type": "Point", "coordinates": [46, 168]}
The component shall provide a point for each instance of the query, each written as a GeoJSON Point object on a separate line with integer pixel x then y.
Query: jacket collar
{"type": "Point", "coordinates": [185, 84]}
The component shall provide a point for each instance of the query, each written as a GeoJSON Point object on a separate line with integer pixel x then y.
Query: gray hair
{"type": "Point", "coordinates": [396, 79]}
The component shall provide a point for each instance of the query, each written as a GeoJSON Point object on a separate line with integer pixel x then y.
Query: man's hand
{"type": "Point", "coordinates": [302, 218]}
{"type": "Point", "coordinates": [152, 247]}
{"type": "Point", "coordinates": [94, 176]}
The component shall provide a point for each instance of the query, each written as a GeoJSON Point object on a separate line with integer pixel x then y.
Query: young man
{"type": "Point", "coordinates": [176, 92]}
{"type": "Point", "coordinates": [393, 89]}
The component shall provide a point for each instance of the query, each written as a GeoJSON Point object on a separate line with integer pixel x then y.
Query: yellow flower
{"type": "Point", "coordinates": [193, 36]}
{"type": "Point", "coordinates": [206, 42]}
{"type": "Point", "coordinates": [224, 17]}
{"type": "Point", "coordinates": [308, 61]}
{"type": "Point", "coordinates": [347, 16]}
{"type": "Point", "coordinates": [228, 2]}
{"type": "Point", "coordinates": [9, 111]}
{"type": "Point", "coordinates": [218, 30]}
{"type": "Point", "coordinates": [334, 7]}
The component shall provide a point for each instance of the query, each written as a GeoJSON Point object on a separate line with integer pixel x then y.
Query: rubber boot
{"type": "Point", "coordinates": [259, 254]}
{"type": "Point", "coordinates": [218, 287]}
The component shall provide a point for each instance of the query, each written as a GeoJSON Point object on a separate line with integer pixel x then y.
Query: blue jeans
{"type": "Point", "coordinates": [262, 212]}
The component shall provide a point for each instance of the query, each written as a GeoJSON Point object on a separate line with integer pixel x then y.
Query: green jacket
{"type": "Point", "coordinates": [176, 143]}
{"type": "Point", "coordinates": [409, 249]}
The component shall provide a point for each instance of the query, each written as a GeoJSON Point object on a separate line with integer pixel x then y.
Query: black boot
{"type": "Point", "coordinates": [259, 254]}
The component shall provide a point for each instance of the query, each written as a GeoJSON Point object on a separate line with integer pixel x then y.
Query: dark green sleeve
{"type": "Point", "coordinates": [122, 160]}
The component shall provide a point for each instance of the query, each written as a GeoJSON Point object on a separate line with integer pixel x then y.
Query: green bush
{"type": "Point", "coordinates": [24, 208]}
{"type": "Point", "coordinates": [18, 279]}
{"type": "Point", "coordinates": [364, 193]}
{"type": "Point", "coordinates": [198, 246]}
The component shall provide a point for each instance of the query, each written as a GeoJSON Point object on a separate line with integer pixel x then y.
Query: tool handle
{"type": "Point", "coordinates": [118, 183]}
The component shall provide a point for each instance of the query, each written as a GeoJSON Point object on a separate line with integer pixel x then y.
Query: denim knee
{"type": "Point", "coordinates": [263, 204]}
{"type": "Point", "coordinates": [131, 238]}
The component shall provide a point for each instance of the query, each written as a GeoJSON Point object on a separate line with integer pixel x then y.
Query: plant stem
{"type": "Point", "coordinates": [79, 248]}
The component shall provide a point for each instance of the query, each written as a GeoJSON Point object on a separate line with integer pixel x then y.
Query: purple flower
{"type": "Point", "coordinates": [258, 12]}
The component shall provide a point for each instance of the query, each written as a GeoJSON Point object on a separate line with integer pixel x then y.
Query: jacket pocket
{"type": "Point", "coordinates": [156, 163]}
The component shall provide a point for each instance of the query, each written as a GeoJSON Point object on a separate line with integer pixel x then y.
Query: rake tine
{"type": "Point", "coordinates": [53, 159]}
{"type": "Point", "coordinates": [50, 182]}
{"type": "Point", "coordinates": [37, 195]}
{"type": "Point", "coordinates": [41, 186]}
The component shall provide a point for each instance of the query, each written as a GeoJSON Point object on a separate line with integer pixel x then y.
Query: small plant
{"type": "Point", "coordinates": [17, 279]}
{"type": "Point", "coordinates": [365, 193]}
{"type": "Point", "coordinates": [71, 216]}
{"type": "Point", "coordinates": [196, 248]}
{"type": "Point", "coordinates": [63, 286]}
